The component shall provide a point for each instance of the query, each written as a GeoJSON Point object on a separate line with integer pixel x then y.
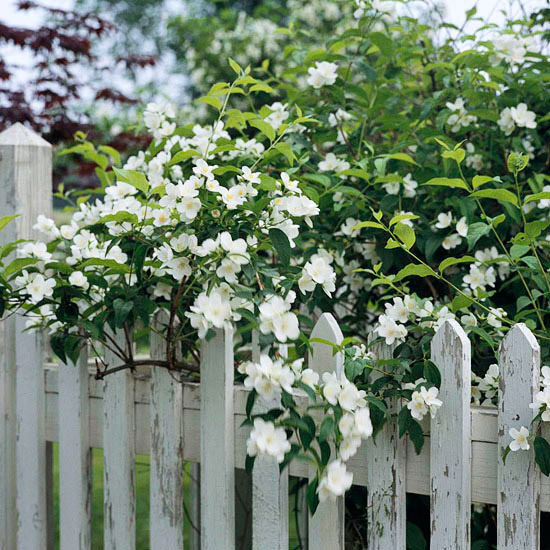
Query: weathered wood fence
{"type": "Point", "coordinates": [171, 421]}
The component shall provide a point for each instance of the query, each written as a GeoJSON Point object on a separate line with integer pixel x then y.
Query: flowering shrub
{"type": "Point", "coordinates": [325, 419]}
{"type": "Point", "coordinates": [389, 175]}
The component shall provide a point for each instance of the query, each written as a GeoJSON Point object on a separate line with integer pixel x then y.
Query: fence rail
{"type": "Point", "coordinates": [151, 413]}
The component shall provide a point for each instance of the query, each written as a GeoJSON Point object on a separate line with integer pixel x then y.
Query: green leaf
{"type": "Point", "coordinates": [234, 65]}
{"type": "Point", "coordinates": [405, 234]}
{"type": "Point", "coordinates": [401, 217]}
{"type": "Point", "coordinates": [448, 262]}
{"type": "Point", "coordinates": [416, 435]}
{"type": "Point", "coordinates": [402, 156]}
{"type": "Point", "coordinates": [497, 194]}
{"type": "Point", "coordinates": [457, 155]}
{"type": "Point", "coordinates": [264, 127]}
{"type": "Point", "coordinates": [519, 250]}
{"type": "Point", "coordinates": [286, 150]}
{"type": "Point", "coordinates": [382, 41]}
{"type": "Point", "coordinates": [311, 495]}
{"type": "Point", "coordinates": [112, 152]}
{"type": "Point", "coordinates": [281, 244]}
{"type": "Point", "coordinates": [133, 177]}
{"type": "Point", "coordinates": [122, 309]}
{"type": "Point", "coordinates": [516, 162]}
{"type": "Point", "coordinates": [543, 195]}
{"type": "Point", "coordinates": [267, 183]}
{"type": "Point", "coordinates": [211, 100]}
{"type": "Point", "coordinates": [327, 427]}
{"type": "Point", "coordinates": [7, 219]}
{"type": "Point", "coordinates": [180, 156]}
{"type": "Point", "coordinates": [417, 270]}
{"type": "Point", "coordinates": [374, 225]}
{"type": "Point", "coordinates": [19, 264]}
{"type": "Point", "coordinates": [431, 373]}
{"type": "Point", "coordinates": [448, 182]}
{"type": "Point", "coordinates": [478, 181]}
{"type": "Point", "coordinates": [475, 232]}
{"type": "Point", "coordinates": [542, 454]}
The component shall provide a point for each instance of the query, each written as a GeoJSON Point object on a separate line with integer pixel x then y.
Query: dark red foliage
{"type": "Point", "coordinates": [64, 65]}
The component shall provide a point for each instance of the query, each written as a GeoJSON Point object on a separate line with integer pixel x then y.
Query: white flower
{"type": "Point", "coordinates": [409, 186]}
{"type": "Point", "coordinates": [522, 117]}
{"type": "Point", "coordinates": [417, 406]}
{"type": "Point", "coordinates": [346, 424]}
{"type": "Point", "coordinates": [323, 74]}
{"type": "Point", "coordinates": [39, 288]}
{"type": "Point", "coordinates": [318, 271]}
{"type": "Point", "coordinates": [451, 241]}
{"type": "Point", "coordinates": [335, 482]}
{"type": "Point", "coordinates": [397, 311]}
{"type": "Point", "coordinates": [203, 169]}
{"type": "Point", "coordinates": [36, 250]}
{"type": "Point", "coordinates": [506, 121]}
{"type": "Point", "coordinates": [387, 328]}
{"type": "Point", "coordinates": [519, 439]}
{"type": "Point", "coordinates": [444, 220]}
{"type": "Point", "coordinates": [278, 114]}
{"type": "Point", "coordinates": [545, 371]}
{"type": "Point", "coordinates": [77, 278]}
{"type": "Point", "coordinates": [267, 440]}
{"type": "Point", "coordinates": [542, 402]}
{"type": "Point", "coordinates": [348, 447]}
{"type": "Point", "coordinates": [46, 226]}
{"type": "Point", "coordinates": [363, 424]}
{"type": "Point", "coordinates": [462, 227]}
{"type": "Point", "coordinates": [350, 397]}
{"type": "Point", "coordinates": [331, 388]}
{"type": "Point", "coordinates": [430, 398]}
{"type": "Point", "coordinates": [309, 377]}
{"type": "Point", "coordinates": [332, 163]}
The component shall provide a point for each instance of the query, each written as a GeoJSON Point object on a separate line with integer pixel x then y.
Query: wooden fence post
{"type": "Point", "coordinates": [166, 478]}
{"type": "Point", "coordinates": [26, 190]}
{"type": "Point", "coordinates": [450, 441]}
{"type": "Point", "coordinates": [75, 480]}
{"type": "Point", "coordinates": [386, 469]}
{"type": "Point", "coordinates": [217, 442]}
{"type": "Point", "coordinates": [326, 526]}
{"type": "Point", "coordinates": [269, 490]}
{"type": "Point", "coordinates": [518, 490]}
{"type": "Point", "coordinates": [119, 509]}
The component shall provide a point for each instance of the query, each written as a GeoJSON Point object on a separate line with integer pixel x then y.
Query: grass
{"type": "Point", "coordinates": [142, 502]}
{"type": "Point", "coordinates": [142, 499]}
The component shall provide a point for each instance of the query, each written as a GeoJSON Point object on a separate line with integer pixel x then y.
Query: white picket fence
{"type": "Point", "coordinates": [152, 413]}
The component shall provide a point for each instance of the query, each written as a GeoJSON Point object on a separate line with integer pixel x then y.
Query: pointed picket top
{"type": "Point", "coordinates": [450, 458]}
{"type": "Point", "coordinates": [18, 134]}
{"type": "Point", "coordinates": [321, 357]}
{"type": "Point", "coordinates": [450, 338]}
{"type": "Point", "coordinates": [518, 480]}
{"type": "Point", "coordinates": [518, 339]}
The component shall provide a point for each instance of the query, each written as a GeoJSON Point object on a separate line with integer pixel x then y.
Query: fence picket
{"type": "Point", "coordinates": [30, 446]}
{"type": "Point", "coordinates": [518, 491]}
{"type": "Point", "coordinates": [326, 526]}
{"type": "Point", "coordinates": [217, 442]}
{"type": "Point", "coordinates": [166, 474]}
{"type": "Point", "coordinates": [450, 455]}
{"type": "Point", "coordinates": [74, 456]}
{"type": "Point", "coordinates": [25, 190]}
{"type": "Point", "coordinates": [386, 469]}
{"type": "Point", "coordinates": [269, 490]}
{"type": "Point", "coordinates": [118, 457]}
